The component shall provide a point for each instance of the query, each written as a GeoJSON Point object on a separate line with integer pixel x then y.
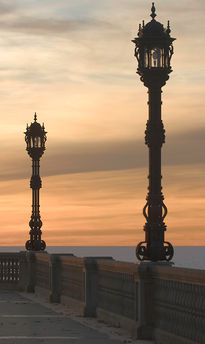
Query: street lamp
{"type": "Point", "coordinates": [35, 137]}
{"type": "Point", "coordinates": [153, 50]}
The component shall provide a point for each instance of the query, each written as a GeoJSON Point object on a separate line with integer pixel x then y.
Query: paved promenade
{"type": "Point", "coordinates": [24, 319]}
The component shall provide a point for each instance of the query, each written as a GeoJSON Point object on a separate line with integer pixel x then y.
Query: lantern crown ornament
{"type": "Point", "coordinates": [35, 137]}
{"type": "Point", "coordinates": [153, 50]}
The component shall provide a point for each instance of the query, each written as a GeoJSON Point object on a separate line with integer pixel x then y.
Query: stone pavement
{"type": "Point", "coordinates": [25, 319]}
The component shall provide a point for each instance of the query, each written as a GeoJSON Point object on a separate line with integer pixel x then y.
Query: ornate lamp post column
{"type": "Point", "coordinates": [35, 137]}
{"type": "Point", "coordinates": [153, 51]}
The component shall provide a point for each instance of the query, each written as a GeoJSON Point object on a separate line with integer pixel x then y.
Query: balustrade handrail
{"type": "Point", "coordinates": [9, 254]}
{"type": "Point", "coordinates": [72, 261]}
{"type": "Point", "coordinates": [185, 275]}
{"type": "Point", "coordinates": [117, 266]}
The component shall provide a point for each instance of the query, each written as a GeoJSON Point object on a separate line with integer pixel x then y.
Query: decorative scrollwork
{"type": "Point", "coordinates": [154, 251]}
{"type": "Point", "coordinates": [171, 52]}
{"type": "Point", "coordinates": [145, 211]}
{"type": "Point", "coordinates": [43, 245]}
{"type": "Point", "coordinates": [137, 54]}
{"type": "Point", "coordinates": [37, 245]}
{"type": "Point", "coordinates": [158, 208]}
{"type": "Point", "coordinates": [169, 251]}
{"type": "Point", "coordinates": [164, 213]}
{"type": "Point", "coordinates": [141, 251]}
{"type": "Point", "coordinates": [28, 245]}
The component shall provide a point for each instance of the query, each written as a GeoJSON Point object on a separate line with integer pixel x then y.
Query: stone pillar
{"type": "Point", "coordinates": [146, 292]}
{"type": "Point", "coordinates": [55, 278]}
{"type": "Point", "coordinates": [145, 302]}
{"type": "Point", "coordinates": [30, 272]}
{"type": "Point", "coordinates": [91, 284]}
{"type": "Point", "coordinates": [22, 271]}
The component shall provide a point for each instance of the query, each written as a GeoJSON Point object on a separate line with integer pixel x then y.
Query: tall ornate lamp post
{"type": "Point", "coordinates": [153, 51]}
{"type": "Point", "coordinates": [35, 137]}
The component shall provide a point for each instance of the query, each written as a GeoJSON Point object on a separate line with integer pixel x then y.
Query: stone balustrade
{"type": "Point", "coordinates": [9, 270]}
{"type": "Point", "coordinates": [178, 305]}
{"type": "Point", "coordinates": [152, 300]}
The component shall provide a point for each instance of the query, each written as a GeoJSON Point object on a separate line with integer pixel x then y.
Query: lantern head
{"type": "Point", "coordinates": [153, 50]}
{"type": "Point", "coordinates": [35, 137]}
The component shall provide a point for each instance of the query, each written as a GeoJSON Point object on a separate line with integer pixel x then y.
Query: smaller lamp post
{"type": "Point", "coordinates": [35, 137]}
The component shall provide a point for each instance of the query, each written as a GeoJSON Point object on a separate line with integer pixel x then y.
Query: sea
{"type": "Point", "coordinates": [192, 257]}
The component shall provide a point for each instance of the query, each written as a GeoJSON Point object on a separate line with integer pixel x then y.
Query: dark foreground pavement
{"type": "Point", "coordinates": [25, 321]}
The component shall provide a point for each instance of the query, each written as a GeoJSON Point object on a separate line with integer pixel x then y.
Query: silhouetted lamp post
{"type": "Point", "coordinates": [35, 137]}
{"type": "Point", "coordinates": [153, 51]}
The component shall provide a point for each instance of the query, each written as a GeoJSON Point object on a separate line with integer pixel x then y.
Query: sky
{"type": "Point", "coordinates": [73, 63]}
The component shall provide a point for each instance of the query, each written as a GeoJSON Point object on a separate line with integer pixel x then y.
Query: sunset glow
{"type": "Point", "coordinates": [73, 63]}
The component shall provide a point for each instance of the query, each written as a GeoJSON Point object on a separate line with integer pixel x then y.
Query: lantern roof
{"type": "Point", "coordinates": [35, 129]}
{"type": "Point", "coordinates": [153, 30]}
{"type": "Point", "coordinates": [153, 27]}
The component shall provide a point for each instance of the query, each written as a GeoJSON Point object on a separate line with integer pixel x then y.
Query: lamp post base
{"type": "Point", "coordinates": [154, 252]}
{"type": "Point", "coordinates": [38, 245]}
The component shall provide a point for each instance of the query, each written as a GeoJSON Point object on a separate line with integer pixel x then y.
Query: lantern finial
{"type": "Point", "coordinates": [35, 117]}
{"type": "Point", "coordinates": [153, 9]}
{"type": "Point", "coordinates": [168, 27]}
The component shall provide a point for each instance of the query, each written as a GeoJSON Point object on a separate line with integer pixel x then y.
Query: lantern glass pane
{"type": "Point", "coordinates": [146, 58]}
{"type": "Point", "coordinates": [167, 59]}
{"type": "Point", "coordinates": [36, 142]}
{"type": "Point", "coordinates": [156, 58]}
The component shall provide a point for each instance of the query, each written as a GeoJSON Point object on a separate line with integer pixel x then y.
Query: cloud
{"type": "Point", "coordinates": [71, 157]}
{"type": "Point", "coordinates": [179, 149]}
{"type": "Point", "coordinates": [52, 26]}
{"type": "Point", "coordinates": [6, 8]}
{"type": "Point", "coordinates": [84, 233]}
{"type": "Point", "coordinates": [100, 62]}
